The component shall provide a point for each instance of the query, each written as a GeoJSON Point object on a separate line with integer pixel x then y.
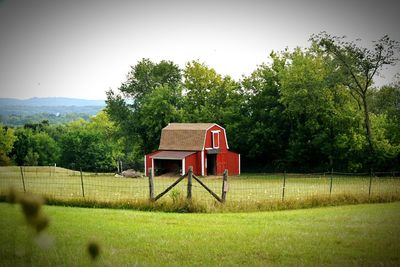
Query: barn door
{"type": "Point", "coordinates": [211, 164]}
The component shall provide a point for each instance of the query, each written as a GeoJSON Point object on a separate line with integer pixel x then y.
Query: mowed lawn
{"type": "Point", "coordinates": [359, 235]}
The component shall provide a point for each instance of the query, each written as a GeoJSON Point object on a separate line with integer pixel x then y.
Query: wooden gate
{"type": "Point", "coordinates": [190, 176]}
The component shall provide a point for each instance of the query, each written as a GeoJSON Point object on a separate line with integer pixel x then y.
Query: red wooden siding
{"type": "Point", "coordinates": [233, 162]}
{"type": "Point", "coordinates": [221, 163]}
{"type": "Point", "coordinates": [222, 138]}
{"type": "Point", "coordinates": [148, 162]}
{"type": "Point", "coordinates": [193, 160]}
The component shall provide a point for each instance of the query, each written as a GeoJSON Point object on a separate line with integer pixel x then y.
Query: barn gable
{"type": "Point", "coordinates": [186, 136]}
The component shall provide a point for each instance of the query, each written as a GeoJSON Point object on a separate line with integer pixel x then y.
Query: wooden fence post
{"type": "Point", "coordinates": [83, 189]}
{"type": "Point", "coordinates": [151, 184]}
{"type": "Point", "coordinates": [189, 184]}
{"type": "Point", "coordinates": [370, 183]}
{"type": "Point", "coordinates": [330, 186]}
{"type": "Point", "coordinates": [22, 177]}
{"type": "Point", "coordinates": [224, 186]}
{"type": "Point", "coordinates": [284, 185]}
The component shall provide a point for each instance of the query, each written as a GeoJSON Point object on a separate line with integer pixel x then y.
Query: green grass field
{"type": "Point", "coordinates": [358, 235]}
{"type": "Point", "coordinates": [62, 183]}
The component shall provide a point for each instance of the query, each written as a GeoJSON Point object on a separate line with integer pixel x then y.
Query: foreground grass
{"type": "Point", "coordinates": [360, 235]}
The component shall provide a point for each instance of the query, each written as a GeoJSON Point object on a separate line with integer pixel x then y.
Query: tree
{"type": "Point", "coordinates": [107, 130]}
{"type": "Point", "coordinates": [42, 148]}
{"type": "Point", "coordinates": [361, 65]}
{"type": "Point", "coordinates": [31, 158]}
{"type": "Point", "coordinates": [145, 103]}
{"type": "Point", "coordinates": [386, 101]}
{"type": "Point", "coordinates": [162, 106]}
{"type": "Point", "coordinates": [267, 126]}
{"type": "Point", "coordinates": [86, 148]}
{"type": "Point", "coordinates": [145, 76]}
{"type": "Point", "coordinates": [47, 149]}
{"type": "Point", "coordinates": [322, 118]}
{"type": "Point", "coordinates": [209, 97]}
{"type": "Point", "coordinates": [23, 142]}
{"type": "Point", "coordinates": [7, 139]}
{"type": "Point", "coordinates": [385, 108]}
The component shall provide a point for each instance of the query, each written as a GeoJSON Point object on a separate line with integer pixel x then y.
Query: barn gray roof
{"type": "Point", "coordinates": [166, 154]}
{"type": "Point", "coordinates": [184, 136]}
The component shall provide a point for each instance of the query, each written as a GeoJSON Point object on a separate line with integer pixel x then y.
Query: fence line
{"type": "Point", "coordinates": [64, 183]}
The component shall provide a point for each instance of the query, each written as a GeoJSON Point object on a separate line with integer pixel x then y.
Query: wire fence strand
{"type": "Point", "coordinates": [64, 184]}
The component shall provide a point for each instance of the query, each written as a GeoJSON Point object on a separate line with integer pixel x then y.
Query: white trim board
{"type": "Point", "coordinates": [152, 167]}
{"type": "Point", "coordinates": [183, 166]}
{"type": "Point", "coordinates": [202, 162]}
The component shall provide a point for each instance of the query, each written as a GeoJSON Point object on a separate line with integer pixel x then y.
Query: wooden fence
{"type": "Point", "coordinates": [190, 176]}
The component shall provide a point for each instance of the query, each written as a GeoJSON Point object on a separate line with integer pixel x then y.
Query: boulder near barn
{"type": "Point", "coordinates": [204, 146]}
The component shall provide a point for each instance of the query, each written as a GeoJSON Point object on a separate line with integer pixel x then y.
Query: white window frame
{"type": "Point", "coordinates": [212, 138]}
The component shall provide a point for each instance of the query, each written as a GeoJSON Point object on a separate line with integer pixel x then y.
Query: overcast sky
{"type": "Point", "coordinates": [82, 48]}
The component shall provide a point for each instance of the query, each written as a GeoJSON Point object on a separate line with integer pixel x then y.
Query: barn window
{"type": "Point", "coordinates": [215, 139]}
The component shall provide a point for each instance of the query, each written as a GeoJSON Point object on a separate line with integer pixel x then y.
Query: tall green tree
{"type": "Point", "coordinates": [22, 144]}
{"type": "Point", "coordinates": [31, 158]}
{"type": "Point", "coordinates": [42, 148]}
{"type": "Point", "coordinates": [323, 119]}
{"type": "Point", "coordinates": [145, 76]}
{"type": "Point", "coordinates": [385, 109]}
{"type": "Point", "coordinates": [361, 65]}
{"type": "Point", "coordinates": [263, 129]}
{"type": "Point", "coordinates": [386, 101]}
{"type": "Point", "coordinates": [47, 148]}
{"type": "Point", "coordinates": [209, 97]}
{"type": "Point", "coordinates": [162, 106]}
{"type": "Point", "coordinates": [144, 104]}
{"type": "Point", "coordinates": [106, 129]}
{"type": "Point", "coordinates": [87, 147]}
{"type": "Point", "coordinates": [7, 139]}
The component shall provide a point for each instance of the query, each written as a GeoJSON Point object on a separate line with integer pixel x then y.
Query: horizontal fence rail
{"type": "Point", "coordinates": [63, 183]}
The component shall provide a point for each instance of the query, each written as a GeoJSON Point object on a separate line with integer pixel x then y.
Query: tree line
{"type": "Point", "coordinates": [309, 109]}
{"type": "Point", "coordinates": [17, 120]}
{"type": "Point", "coordinates": [91, 145]}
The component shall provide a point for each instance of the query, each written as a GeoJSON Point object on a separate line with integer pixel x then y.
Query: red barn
{"type": "Point", "coordinates": [203, 146]}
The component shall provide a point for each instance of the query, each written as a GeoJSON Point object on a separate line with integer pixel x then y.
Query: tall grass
{"type": "Point", "coordinates": [246, 193]}
{"type": "Point", "coordinates": [183, 206]}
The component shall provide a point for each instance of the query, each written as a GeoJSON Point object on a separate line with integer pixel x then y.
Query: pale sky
{"type": "Point", "coordinates": [80, 49]}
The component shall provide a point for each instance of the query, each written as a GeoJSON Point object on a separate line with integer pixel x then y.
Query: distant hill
{"type": "Point", "coordinates": [50, 102]}
{"type": "Point", "coordinates": [16, 112]}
